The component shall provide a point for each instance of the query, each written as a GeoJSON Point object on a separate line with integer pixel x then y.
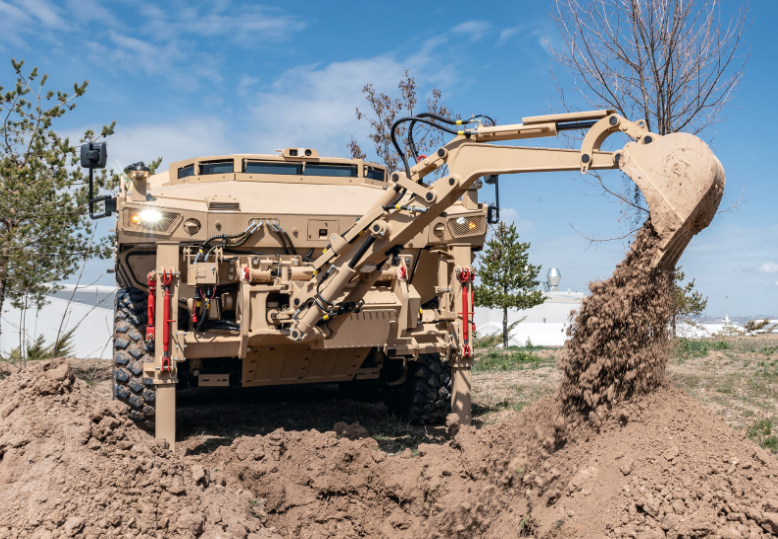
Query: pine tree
{"type": "Point", "coordinates": [507, 278]}
{"type": "Point", "coordinates": [686, 301]}
{"type": "Point", "coordinates": [45, 232]}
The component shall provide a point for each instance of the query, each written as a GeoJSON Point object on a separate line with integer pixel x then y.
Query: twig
{"type": "Point", "coordinates": [595, 240]}
{"type": "Point", "coordinates": [67, 307]}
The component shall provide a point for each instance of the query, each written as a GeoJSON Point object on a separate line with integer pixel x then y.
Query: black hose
{"type": "Point", "coordinates": [400, 153]}
{"type": "Point", "coordinates": [224, 324]}
{"type": "Point", "coordinates": [361, 251]}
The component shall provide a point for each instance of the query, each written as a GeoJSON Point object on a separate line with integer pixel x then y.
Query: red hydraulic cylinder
{"type": "Point", "coordinates": [167, 278]}
{"type": "Point", "coordinates": [466, 278]}
{"type": "Point", "coordinates": [151, 282]}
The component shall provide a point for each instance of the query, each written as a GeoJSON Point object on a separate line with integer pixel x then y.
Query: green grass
{"type": "Point", "coordinates": [687, 348]}
{"type": "Point", "coordinates": [510, 359]}
{"type": "Point", "coordinates": [762, 433]}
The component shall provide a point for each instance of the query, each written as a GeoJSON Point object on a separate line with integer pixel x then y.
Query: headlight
{"type": "Point", "coordinates": [149, 216]}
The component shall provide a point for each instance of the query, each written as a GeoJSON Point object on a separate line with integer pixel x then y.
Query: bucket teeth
{"type": "Point", "coordinates": [682, 182]}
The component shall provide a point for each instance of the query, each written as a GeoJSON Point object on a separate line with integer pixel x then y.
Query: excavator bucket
{"type": "Point", "coordinates": [682, 182]}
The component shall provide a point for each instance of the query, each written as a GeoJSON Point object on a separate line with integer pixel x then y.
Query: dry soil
{"type": "Point", "coordinates": [617, 452]}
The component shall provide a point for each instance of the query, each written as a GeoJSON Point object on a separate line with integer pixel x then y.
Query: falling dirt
{"type": "Point", "coordinates": [618, 344]}
{"type": "Point", "coordinates": [617, 453]}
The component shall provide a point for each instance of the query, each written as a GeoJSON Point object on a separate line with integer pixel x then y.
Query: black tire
{"type": "Point", "coordinates": [425, 397]}
{"type": "Point", "coordinates": [130, 351]}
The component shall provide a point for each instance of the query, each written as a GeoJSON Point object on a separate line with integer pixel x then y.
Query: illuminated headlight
{"type": "Point", "coordinates": [461, 221]}
{"type": "Point", "coordinates": [149, 216]}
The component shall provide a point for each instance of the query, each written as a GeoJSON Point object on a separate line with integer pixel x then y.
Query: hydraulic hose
{"type": "Point", "coordinates": [412, 119]}
{"type": "Point", "coordinates": [361, 251]}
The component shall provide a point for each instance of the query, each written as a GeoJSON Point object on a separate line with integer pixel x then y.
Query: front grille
{"type": "Point", "coordinates": [473, 225]}
{"type": "Point", "coordinates": [224, 206]}
{"type": "Point", "coordinates": [166, 225]}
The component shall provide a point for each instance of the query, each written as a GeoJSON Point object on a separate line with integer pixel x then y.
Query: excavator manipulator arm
{"type": "Point", "coordinates": [680, 178]}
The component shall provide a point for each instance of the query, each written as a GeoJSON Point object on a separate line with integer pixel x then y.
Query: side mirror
{"type": "Point", "coordinates": [493, 211]}
{"type": "Point", "coordinates": [95, 155]}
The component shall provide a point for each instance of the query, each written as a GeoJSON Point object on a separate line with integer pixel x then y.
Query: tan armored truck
{"type": "Point", "coordinates": [254, 270]}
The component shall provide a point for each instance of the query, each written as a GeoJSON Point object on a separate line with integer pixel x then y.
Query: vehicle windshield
{"type": "Point", "coordinates": [224, 167]}
{"type": "Point", "coordinates": [341, 171]}
{"type": "Point", "coordinates": [266, 167]}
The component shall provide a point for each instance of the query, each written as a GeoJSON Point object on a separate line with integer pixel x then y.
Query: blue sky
{"type": "Point", "coordinates": [183, 79]}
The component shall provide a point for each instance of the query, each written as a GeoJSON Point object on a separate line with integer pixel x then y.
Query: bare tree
{"type": "Point", "coordinates": [385, 110]}
{"type": "Point", "coordinates": [674, 63]}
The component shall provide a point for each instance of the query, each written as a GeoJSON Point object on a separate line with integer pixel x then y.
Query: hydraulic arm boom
{"type": "Point", "coordinates": [680, 178]}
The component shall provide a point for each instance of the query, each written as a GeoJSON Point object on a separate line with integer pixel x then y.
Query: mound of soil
{"type": "Point", "coordinates": [617, 453]}
{"type": "Point", "coordinates": [660, 467]}
{"type": "Point", "coordinates": [657, 466]}
{"type": "Point", "coordinates": [72, 465]}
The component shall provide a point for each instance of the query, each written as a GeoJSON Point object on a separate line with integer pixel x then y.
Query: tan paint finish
{"type": "Point", "coordinates": [679, 176]}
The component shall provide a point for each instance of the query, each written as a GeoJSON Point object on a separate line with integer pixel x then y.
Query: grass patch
{"type": "Point", "coordinates": [687, 348]}
{"type": "Point", "coordinates": [694, 348]}
{"type": "Point", "coordinates": [763, 434]}
{"type": "Point", "coordinates": [510, 359]}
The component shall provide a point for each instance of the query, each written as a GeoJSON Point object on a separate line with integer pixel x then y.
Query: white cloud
{"type": "Point", "coordinates": [13, 21]}
{"type": "Point", "coordinates": [173, 141]}
{"type": "Point", "coordinates": [474, 29]}
{"type": "Point", "coordinates": [536, 31]}
{"type": "Point", "coordinates": [45, 12]}
{"type": "Point", "coordinates": [245, 83]}
{"type": "Point", "coordinates": [768, 267]}
{"type": "Point", "coordinates": [246, 26]}
{"type": "Point", "coordinates": [313, 106]}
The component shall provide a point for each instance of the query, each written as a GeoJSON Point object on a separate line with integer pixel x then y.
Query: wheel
{"type": "Point", "coordinates": [425, 397]}
{"type": "Point", "coordinates": [130, 351]}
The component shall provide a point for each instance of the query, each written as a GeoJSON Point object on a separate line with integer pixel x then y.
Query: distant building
{"type": "Point", "coordinates": [89, 309]}
{"type": "Point", "coordinates": [544, 325]}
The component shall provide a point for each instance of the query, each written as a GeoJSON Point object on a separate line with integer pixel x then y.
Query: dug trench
{"type": "Point", "coordinates": [617, 452]}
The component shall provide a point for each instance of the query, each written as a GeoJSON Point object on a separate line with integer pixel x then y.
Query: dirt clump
{"type": "Point", "coordinates": [72, 465]}
{"type": "Point", "coordinates": [619, 343]}
{"type": "Point", "coordinates": [352, 432]}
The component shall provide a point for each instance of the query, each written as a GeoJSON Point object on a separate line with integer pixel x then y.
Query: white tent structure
{"type": "Point", "coordinates": [88, 309]}
{"type": "Point", "coordinates": [543, 325]}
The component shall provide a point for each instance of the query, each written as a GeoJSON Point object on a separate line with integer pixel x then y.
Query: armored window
{"type": "Point", "coordinates": [340, 171]}
{"type": "Point", "coordinates": [183, 172]}
{"type": "Point", "coordinates": [222, 167]}
{"type": "Point", "coordinates": [375, 174]}
{"type": "Point", "coordinates": [265, 167]}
